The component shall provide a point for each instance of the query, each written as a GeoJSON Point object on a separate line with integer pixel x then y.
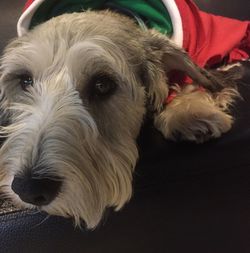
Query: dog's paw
{"type": "Point", "coordinates": [194, 125]}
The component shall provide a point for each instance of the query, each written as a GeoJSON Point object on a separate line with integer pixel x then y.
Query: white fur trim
{"type": "Point", "coordinates": [24, 21]}
{"type": "Point", "coordinates": [175, 16]}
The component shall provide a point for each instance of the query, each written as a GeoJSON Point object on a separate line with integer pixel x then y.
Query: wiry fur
{"type": "Point", "coordinates": [90, 144]}
{"type": "Point", "coordinates": [197, 115]}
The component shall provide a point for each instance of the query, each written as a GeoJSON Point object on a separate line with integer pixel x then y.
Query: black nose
{"type": "Point", "coordinates": [38, 192]}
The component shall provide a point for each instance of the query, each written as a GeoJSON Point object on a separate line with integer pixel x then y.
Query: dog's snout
{"type": "Point", "coordinates": [34, 191]}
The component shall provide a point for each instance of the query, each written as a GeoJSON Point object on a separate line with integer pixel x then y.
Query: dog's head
{"type": "Point", "coordinates": [75, 93]}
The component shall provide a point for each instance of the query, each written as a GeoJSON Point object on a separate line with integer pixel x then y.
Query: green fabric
{"type": "Point", "coordinates": [152, 12]}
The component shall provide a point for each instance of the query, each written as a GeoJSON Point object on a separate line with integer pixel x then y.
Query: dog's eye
{"type": "Point", "coordinates": [103, 86]}
{"type": "Point", "coordinates": [25, 81]}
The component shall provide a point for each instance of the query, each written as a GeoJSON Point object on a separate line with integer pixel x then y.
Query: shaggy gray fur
{"type": "Point", "coordinates": [87, 142]}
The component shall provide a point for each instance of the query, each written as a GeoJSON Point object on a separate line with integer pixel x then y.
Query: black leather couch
{"type": "Point", "coordinates": [188, 198]}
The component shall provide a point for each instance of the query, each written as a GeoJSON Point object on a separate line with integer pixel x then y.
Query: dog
{"type": "Point", "coordinates": [74, 96]}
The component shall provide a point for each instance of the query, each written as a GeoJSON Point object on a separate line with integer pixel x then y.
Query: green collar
{"type": "Point", "coordinates": [151, 13]}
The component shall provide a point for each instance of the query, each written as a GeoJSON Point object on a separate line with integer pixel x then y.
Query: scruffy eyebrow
{"type": "Point", "coordinates": [98, 51]}
{"type": "Point", "coordinates": [27, 56]}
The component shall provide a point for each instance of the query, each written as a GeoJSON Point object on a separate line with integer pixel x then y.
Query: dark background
{"type": "Point", "coordinates": [188, 198]}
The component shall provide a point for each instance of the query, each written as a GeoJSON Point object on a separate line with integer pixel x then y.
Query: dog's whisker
{"type": "Point", "coordinates": [33, 211]}
{"type": "Point", "coordinates": [40, 223]}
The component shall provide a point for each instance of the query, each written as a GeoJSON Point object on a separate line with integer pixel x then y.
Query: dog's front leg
{"type": "Point", "coordinates": [196, 115]}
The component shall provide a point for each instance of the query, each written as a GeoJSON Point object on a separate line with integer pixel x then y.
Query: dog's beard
{"type": "Point", "coordinates": [62, 138]}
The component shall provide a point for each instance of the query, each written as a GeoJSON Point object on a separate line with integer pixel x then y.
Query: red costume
{"type": "Point", "coordinates": [208, 39]}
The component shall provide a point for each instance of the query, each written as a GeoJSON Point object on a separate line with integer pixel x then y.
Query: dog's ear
{"type": "Point", "coordinates": [164, 56]}
{"type": "Point", "coordinates": [4, 117]}
{"type": "Point", "coordinates": [4, 113]}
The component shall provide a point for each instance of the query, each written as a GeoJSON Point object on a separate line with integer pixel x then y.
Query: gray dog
{"type": "Point", "coordinates": [74, 96]}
